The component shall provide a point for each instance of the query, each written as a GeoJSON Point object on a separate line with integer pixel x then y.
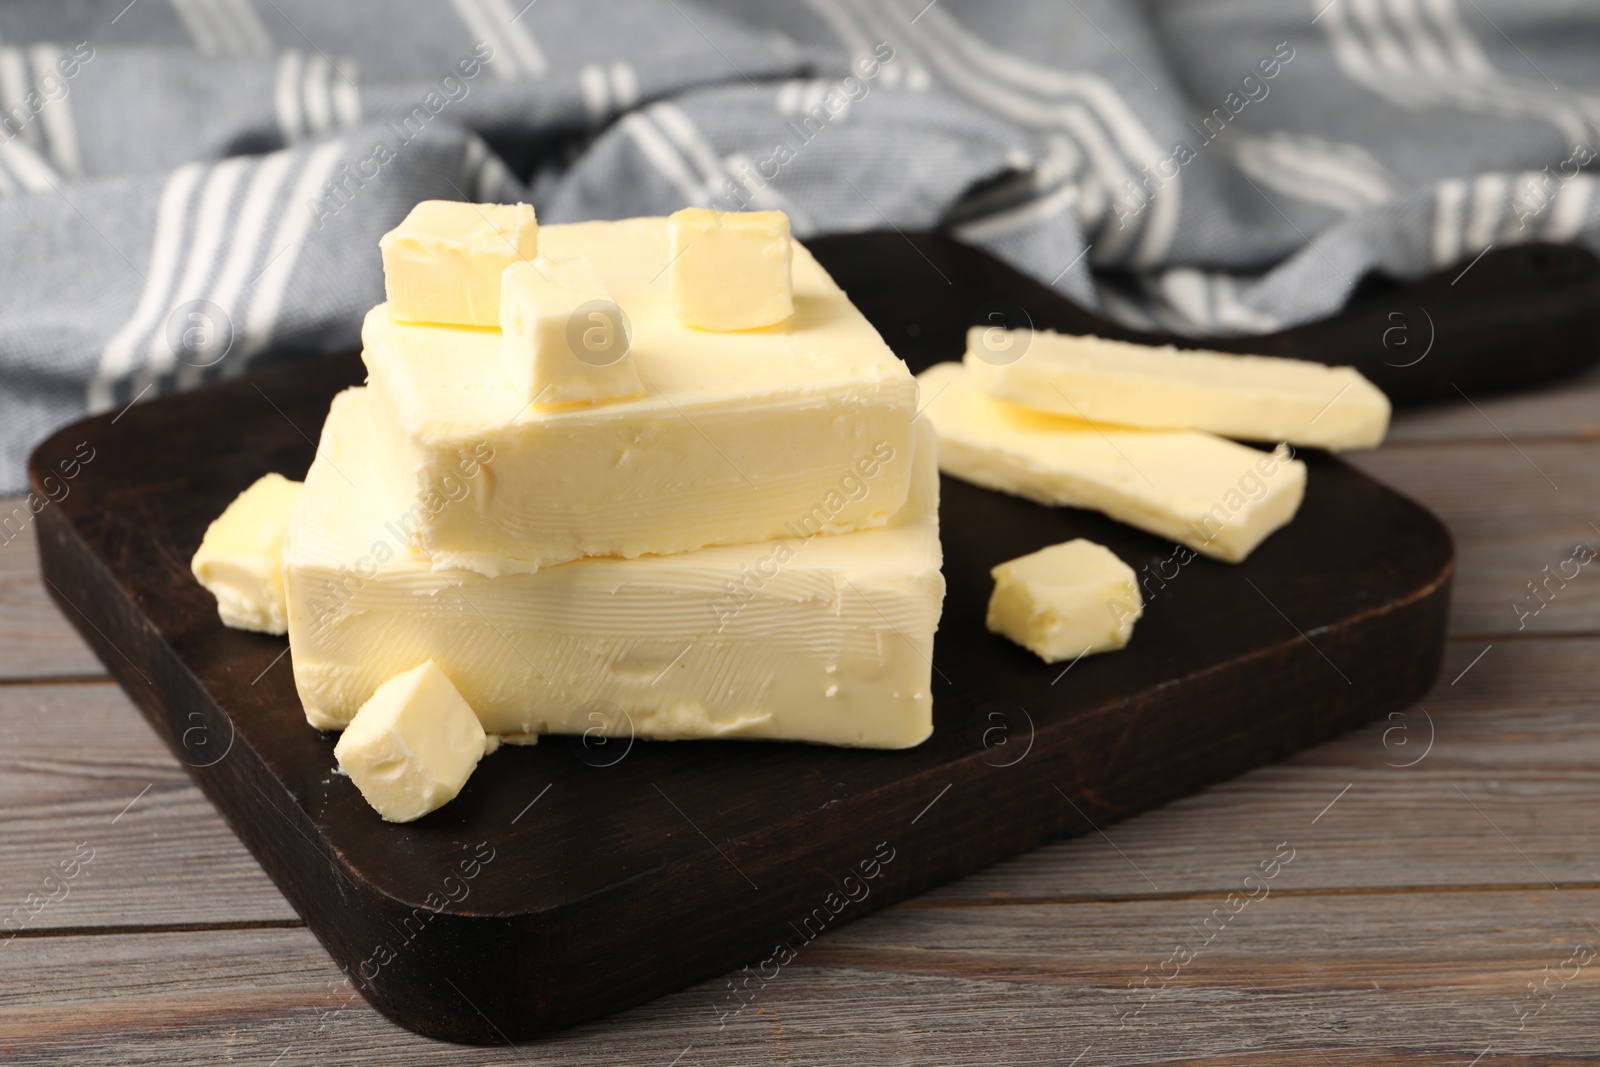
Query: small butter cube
{"type": "Point", "coordinates": [412, 745]}
{"type": "Point", "coordinates": [240, 559]}
{"type": "Point", "coordinates": [443, 263]}
{"type": "Point", "coordinates": [1066, 600]}
{"type": "Point", "coordinates": [730, 269]}
{"type": "Point", "coordinates": [563, 339]}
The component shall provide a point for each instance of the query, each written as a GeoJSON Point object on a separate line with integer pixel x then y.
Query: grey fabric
{"type": "Point", "coordinates": [190, 187]}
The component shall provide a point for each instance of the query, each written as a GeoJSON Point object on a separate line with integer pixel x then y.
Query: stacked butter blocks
{"type": "Point", "coordinates": [668, 485]}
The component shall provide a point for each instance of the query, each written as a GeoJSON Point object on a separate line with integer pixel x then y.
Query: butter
{"type": "Point", "coordinates": [1065, 601]}
{"type": "Point", "coordinates": [563, 339]}
{"type": "Point", "coordinates": [413, 744]}
{"type": "Point", "coordinates": [1256, 398]}
{"type": "Point", "coordinates": [810, 638]}
{"type": "Point", "coordinates": [1220, 498]}
{"type": "Point", "coordinates": [240, 559]}
{"type": "Point", "coordinates": [730, 269]}
{"type": "Point", "coordinates": [443, 262]}
{"type": "Point", "coordinates": [737, 438]}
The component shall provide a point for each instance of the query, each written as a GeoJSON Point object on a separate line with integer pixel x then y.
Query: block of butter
{"type": "Point", "coordinates": [240, 559]}
{"type": "Point", "coordinates": [1220, 498]}
{"type": "Point", "coordinates": [739, 437]}
{"type": "Point", "coordinates": [808, 638]}
{"type": "Point", "coordinates": [1065, 601]}
{"type": "Point", "coordinates": [443, 262]}
{"type": "Point", "coordinates": [411, 747]}
{"type": "Point", "coordinates": [563, 339]}
{"type": "Point", "coordinates": [1256, 398]}
{"type": "Point", "coordinates": [730, 269]}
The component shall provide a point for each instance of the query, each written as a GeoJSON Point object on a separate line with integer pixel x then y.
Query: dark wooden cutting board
{"type": "Point", "coordinates": [567, 882]}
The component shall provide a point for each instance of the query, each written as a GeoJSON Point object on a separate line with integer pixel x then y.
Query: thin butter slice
{"type": "Point", "coordinates": [1220, 498]}
{"type": "Point", "coordinates": [806, 637]}
{"type": "Point", "coordinates": [240, 559]}
{"type": "Point", "coordinates": [412, 745]}
{"type": "Point", "coordinates": [1065, 601]}
{"type": "Point", "coordinates": [1255, 398]}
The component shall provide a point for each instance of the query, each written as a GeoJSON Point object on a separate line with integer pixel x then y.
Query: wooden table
{"type": "Point", "coordinates": [1441, 904]}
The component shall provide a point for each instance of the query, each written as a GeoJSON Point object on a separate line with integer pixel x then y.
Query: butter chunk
{"type": "Point", "coordinates": [730, 269]}
{"type": "Point", "coordinates": [1220, 498]}
{"type": "Point", "coordinates": [738, 436]}
{"type": "Point", "coordinates": [412, 745]}
{"type": "Point", "coordinates": [240, 559]}
{"type": "Point", "coordinates": [444, 261]}
{"type": "Point", "coordinates": [1065, 601]}
{"type": "Point", "coordinates": [1256, 398]}
{"type": "Point", "coordinates": [563, 339]}
{"type": "Point", "coordinates": [821, 638]}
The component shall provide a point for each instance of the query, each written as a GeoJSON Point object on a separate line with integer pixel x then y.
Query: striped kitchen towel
{"type": "Point", "coordinates": [191, 187]}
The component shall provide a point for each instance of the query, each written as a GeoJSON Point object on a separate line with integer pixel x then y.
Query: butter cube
{"type": "Point", "coordinates": [444, 261]}
{"type": "Point", "coordinates": [730, 269]}
{"type": "Point", "coordinates": [412, 745]}
{"type": "Point", "coordinates": [240, 559]}
{"type": "Point", "coordinates": [563, 339]}
{"type": "Point", "coordinates": [1066, 600]}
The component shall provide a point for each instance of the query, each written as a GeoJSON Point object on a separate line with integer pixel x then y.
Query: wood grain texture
{"type": "Point", "coordinates": [1515, 735]}
{"type": "Point", "coordinates": [1399, 978]}
{"type": "Point", "coordinates": [78, 764]}
{"type": "Point", "coordinates": [35, 640]}
{"type": "Point", "coordinates": [1568, 409]}
{"type": "Point", "coordinates": [1509, 749]}
{"type": "Point", "coordinates": [1518, 513]}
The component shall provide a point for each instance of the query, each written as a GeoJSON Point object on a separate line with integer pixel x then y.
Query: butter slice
{"type": "Point", "coordinates": [563, 339]}
{"type": "Point", "coordinates": [739, 436]}
{"type": "Point", "coordinates": [240, 559]}
{"type": "Point", "coordinates": [1220, 498]}
{"type": "Point", "coordinates": [412, 745]}
{"type": "Point", "coordinates": [1065, 601]}
{"type": "Point", "coordinates": [808, 638]}
{"type": "Point", "coordinates": [443, 262]}
{"type": "Point", "coordinates": [730, 269]}
{"type": "Point", "coordinates": [1256, 398]}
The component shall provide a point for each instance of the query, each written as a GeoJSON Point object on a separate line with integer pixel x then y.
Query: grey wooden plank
{"type": "Point", "coordinates": [1564, 409]}
{"type": "Point", "coordinates": [35, 641]}
{"type": "Point", "coordinates": [1420, 978]}
{"type": "Point", "coordinates": [79, 766]}
{"type": "Point", "coordinates": [1516, 734]}
{"type": "Point", "coordinates": [1518, 511]}
{"type": "Point", "coordinates": [1428, 797]}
